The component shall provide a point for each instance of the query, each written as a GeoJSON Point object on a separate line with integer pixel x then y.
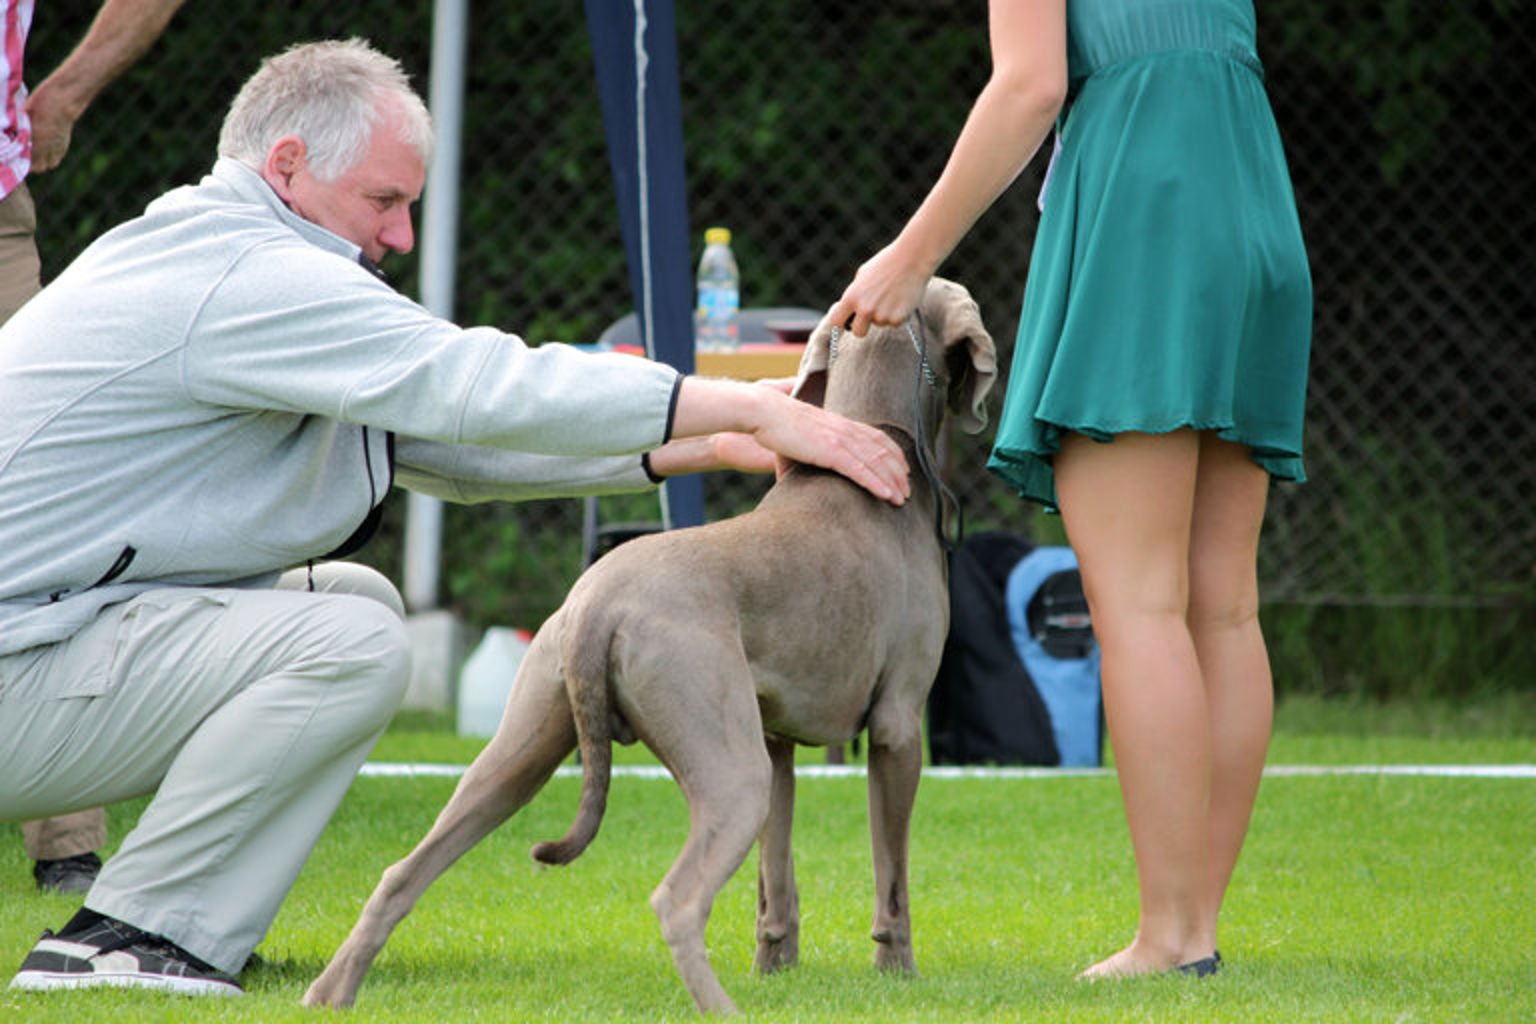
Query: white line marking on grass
{"type": "Point", "coordinates": [384, 769]}
{"type": "Point", "coordinates": [1450, 771]}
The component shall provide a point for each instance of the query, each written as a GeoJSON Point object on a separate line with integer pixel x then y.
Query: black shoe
{"type": "Point", "coordinates": [67, 874]}
{"type": "Point", "coordinates": [113, 953]}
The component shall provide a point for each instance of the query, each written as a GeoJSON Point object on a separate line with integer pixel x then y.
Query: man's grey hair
{"type": "Point", "coordinates": [330, 94]}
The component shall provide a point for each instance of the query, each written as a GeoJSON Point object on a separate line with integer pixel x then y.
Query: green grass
{"type": "Point", "coordinates": [1359, 898]}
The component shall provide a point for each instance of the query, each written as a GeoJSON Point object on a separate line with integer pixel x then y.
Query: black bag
{"type": "Point", "coordinates": [984, 708]}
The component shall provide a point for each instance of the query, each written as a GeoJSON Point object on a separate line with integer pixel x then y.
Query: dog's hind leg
{"type": "Point", "coordinates": [535, 734]}
{"type": "Point", "coordinates": [713, 745]}
{"type": "Point", "coordinates": [778, 899]}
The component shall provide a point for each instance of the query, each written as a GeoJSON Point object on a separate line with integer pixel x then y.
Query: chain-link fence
{"type": "Point", "coordinates": [813, 129]}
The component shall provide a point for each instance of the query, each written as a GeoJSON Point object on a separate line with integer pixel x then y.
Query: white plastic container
{"type": "Point", "coordinates": [486, 679]}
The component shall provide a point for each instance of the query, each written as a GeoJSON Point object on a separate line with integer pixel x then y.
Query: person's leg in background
{"type": "Point", "coordinates": [247, 713]}
{"type": "Point", "coordinates": [63, 850]}
{"type": "Point", "coordinates": [20, 266]}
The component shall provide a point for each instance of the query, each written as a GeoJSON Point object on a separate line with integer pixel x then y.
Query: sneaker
{"type": "Point", "coordinates": [110, 952]}
{"type": "Point", "coordinates": [67, 874]}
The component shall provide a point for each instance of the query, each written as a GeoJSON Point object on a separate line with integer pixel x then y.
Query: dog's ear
{"type": "Point", "coordinates": [972, 356]}
{"type": "Point", "coordinates": [811, 384]}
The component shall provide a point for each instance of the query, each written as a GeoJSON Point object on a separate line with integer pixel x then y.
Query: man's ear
{"type": "Point", "coordinates": [287, 156]}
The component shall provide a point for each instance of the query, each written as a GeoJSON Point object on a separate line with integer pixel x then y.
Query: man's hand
{"type": "Point", "coordinates": [742, 453]}
{"type": "Point", "coordinates": [864, 454]}
{"type": "Point", "coordinates": [52, 128]}
{"type": "Point", "coordinates": [725, 450]}
{"type": "Point", "coordinates": [775, 427]}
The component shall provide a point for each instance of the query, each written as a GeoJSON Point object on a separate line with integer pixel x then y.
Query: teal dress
{"type": "Point", "coordinates": [1169, 284]}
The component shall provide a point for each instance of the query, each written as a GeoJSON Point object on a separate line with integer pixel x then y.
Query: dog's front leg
{"type": "Point", "coordinates": [894, 770]}
{"type": "Point", "coordinates": [778, 899]}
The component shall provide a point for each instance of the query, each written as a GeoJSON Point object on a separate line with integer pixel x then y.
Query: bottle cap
{"type": "Point", "coordinates": [717, 236]}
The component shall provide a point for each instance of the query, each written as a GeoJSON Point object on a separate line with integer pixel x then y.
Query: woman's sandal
{"type": "Point", "coordinates": [1201, 968]}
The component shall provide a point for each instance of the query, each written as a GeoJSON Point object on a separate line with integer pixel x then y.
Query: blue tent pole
{"type": "Point", "coordinates": [634, 50]}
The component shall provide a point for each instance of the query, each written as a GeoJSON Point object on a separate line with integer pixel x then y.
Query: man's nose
{"type": "Point", "coordinates": [398, 235]}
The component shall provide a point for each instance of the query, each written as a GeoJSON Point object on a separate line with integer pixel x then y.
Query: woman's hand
{"type": "Point", "coordinates": [884, 292]}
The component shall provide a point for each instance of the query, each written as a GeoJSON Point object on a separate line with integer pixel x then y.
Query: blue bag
{"type": "Point", "coordinates": [1052, 631]}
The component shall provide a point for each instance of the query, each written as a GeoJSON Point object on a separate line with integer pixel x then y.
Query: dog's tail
{"type": "Point", "coordinates": [584, 643]}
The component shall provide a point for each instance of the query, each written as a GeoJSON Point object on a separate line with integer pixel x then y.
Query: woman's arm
{"type": "Point", "coordinates": [1010, 118]}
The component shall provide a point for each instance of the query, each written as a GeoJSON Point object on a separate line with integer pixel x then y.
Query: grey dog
{"type": "Point", "coordinates": [818, 615]}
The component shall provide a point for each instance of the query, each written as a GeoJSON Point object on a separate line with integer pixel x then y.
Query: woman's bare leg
{"type": "Point", "coordinates": [1166, 531]}
{"type": "Point", "coordinates": [1128, 507]}
{"type": "Point", "coordinates": [1230, 495]}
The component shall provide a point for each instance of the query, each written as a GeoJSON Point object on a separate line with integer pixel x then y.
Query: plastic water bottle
{"type": "Point", "coordinates": [486, 679]}
{"type": "Point", "coordinates": [715, 326]}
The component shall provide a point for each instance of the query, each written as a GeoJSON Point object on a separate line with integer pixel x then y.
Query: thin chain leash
{"type": "Point", "coordinates": [941, 492]}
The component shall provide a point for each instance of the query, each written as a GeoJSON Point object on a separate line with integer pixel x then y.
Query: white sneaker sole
{"type": "Point", "coordinates": [50, 981]}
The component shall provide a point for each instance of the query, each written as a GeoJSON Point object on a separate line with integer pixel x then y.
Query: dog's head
{"type": "Point", "coordinates": [947, 314]}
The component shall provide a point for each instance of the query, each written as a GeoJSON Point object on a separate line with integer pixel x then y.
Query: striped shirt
{"type": "Point", "coordinates": [15, 129]}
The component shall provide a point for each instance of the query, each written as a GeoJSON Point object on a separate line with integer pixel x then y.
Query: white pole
{"type": "Point", "coordinates": [439, 247]}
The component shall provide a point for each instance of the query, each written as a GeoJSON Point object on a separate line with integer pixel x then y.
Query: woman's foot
{"type": "Point", "coordinates": [1133, 961]}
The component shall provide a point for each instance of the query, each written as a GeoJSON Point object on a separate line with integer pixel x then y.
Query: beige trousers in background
{"type": "Point", "coordinates": [20, 267]}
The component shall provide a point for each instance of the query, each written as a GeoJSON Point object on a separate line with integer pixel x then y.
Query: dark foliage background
{"type": "Point", "coordinates": [813, 129]}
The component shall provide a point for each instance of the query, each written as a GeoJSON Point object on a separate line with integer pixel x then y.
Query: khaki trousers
{"type": "Point", "coordinates": [246, 713]}
{"type": "Point", "coordinates": [20, 268]}
{"type": "Point", "coordinates": [68, 835]}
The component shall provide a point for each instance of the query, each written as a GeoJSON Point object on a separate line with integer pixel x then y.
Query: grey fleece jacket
{"type": "Point", "coordinates": [207, 396]}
